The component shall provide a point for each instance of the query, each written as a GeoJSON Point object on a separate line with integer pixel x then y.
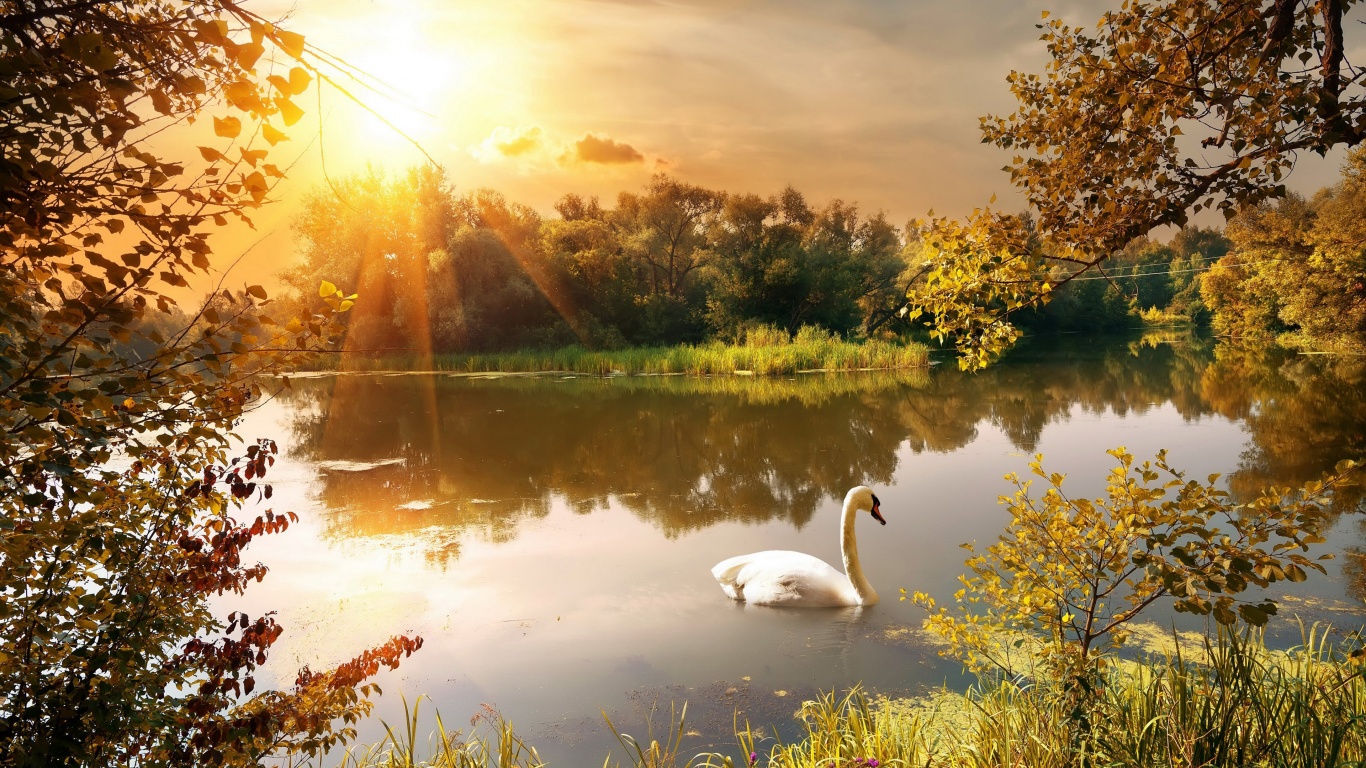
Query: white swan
{"type": "Point", "coordinates": [796, 580]}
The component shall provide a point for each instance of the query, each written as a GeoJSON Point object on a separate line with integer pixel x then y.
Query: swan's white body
{"type": "Point", "coordinates": [797, 580]}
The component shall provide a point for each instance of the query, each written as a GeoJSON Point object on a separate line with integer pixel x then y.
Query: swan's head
{"type": "Point", "coordinates": [862, 498]}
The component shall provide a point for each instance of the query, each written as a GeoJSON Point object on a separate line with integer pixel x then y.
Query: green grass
{"type": "Point", "coordinates": [761, 357]}
{"type": "Point", "coordinates": [1232, 702]}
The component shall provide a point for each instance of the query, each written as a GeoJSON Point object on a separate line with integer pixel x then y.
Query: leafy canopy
{"type": "Point", "coordinates": [1163, 109]}
{"type": "Point", "coordinates": [121, 512]}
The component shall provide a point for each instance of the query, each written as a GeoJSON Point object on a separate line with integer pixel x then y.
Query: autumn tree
{"type": "Point", "coordinates": [1056, 595]}
{"type": "Point", "coordinates": [1163, 109]}
{"type": "Point", "coordinates": [121, 510]}
{"type": "Point", "coordinates": [1296, 271]}
{"type": "Point", "coordinates": [672, 220]}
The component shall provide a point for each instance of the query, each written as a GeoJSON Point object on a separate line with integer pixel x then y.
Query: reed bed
{"type": "Point", "coordinates": [807, 352]}
{"type": "Point", "coordinates": [1240, 705]}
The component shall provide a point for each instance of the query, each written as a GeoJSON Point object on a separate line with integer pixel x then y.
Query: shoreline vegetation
{"type": "Point", "coordinates": [1223, 701]}
{"type": "Point", "coordinates": [765, 352]}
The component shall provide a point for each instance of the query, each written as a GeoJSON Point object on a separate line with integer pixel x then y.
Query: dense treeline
{"type": "Point", "coordinates": [1297, 272]}
{"type": "Point", "coordinates": [1290, 271]}
{"type": "Point", "coordinates": [1146, 281]}
{"type": "Point", "coordinates": [674, 263]}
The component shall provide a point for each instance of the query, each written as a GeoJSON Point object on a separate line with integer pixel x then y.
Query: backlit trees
{"type": "Point", "coordinates": [121, 512]}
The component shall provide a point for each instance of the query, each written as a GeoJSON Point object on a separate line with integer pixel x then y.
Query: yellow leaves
{"type": "Point", "coordinates": [242, 95]}
{"type": "Point", "coordinates": [297, 83]}
{"type": "Point", "coordinates": [288, 111]}
{"type": "Point", "coordinates": [248, 54]}
{"type": "Point", "coordinates": [291, 43]}
{"type": "Point", "coordinates": [227, 127]}
{"type": "Point", "coordinates": [212, 31]}
{"type": "Point", "coordinates": [299, 80]}
{"type": "Point", "coordinates": [335, 298]}
{"type": "Point", "coordinates": [1078, 570]}
{"type": "Point", "coordinates": [273, 135]}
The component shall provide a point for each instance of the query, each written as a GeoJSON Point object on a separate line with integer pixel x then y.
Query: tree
{"type": "Point", "coordinates": [777, 261]}
{"type": "Point", "coordinates": [108, 653]}
{"type": "Point", "coordinates": [377, 234]}
{"type": "Point", "coordinates": [1166, 108]}
{"type": "Point", "coordinates": [604, 282]}
{"type": "Point", "coordinates": [1297, 271]}
{"type": "Point", "coordinates": [1071, 573]}
{"type": "Point", "coordinates": [672, 218]}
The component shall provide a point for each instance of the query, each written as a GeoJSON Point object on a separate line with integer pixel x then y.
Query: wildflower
{"type": "Point", "coordinates": [753, 758]}
{"type": "Point", "coordinates": [872, 762]}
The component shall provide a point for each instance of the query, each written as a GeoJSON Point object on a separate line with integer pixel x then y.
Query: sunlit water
{"type": "Point", "coordinates": [551, 538]}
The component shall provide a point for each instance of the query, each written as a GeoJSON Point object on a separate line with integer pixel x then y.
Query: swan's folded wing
{"type": "Point", "coordinates": [726, 573]}
{"type": "Point", "coordinates": [780, 577]}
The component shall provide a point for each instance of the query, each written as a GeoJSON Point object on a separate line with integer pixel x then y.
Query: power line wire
{"type": "Point", "coordinates": [1175, 271]}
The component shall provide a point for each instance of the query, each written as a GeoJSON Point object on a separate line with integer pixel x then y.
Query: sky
{"type": "Point", "coordinates": [873, 101]}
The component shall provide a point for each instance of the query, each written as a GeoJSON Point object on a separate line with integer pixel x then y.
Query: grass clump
{"type": "Point", "coordinates": [766, 351]}
{"type": "Point", "coordinates": [1240, 704]}
{"type": "Point", "coordinates": [491, 743]}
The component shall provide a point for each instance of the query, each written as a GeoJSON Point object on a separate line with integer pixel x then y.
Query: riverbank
{"type": "Point", "coordinates": [801, 354]}
{"type": "Point", "coordinates": [1229, 702]}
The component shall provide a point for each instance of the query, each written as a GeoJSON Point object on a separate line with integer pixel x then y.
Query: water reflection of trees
{"type": "Point", "coordinates": [1304, 414]}
{"type": "Point", "coordinates": [684, 453]}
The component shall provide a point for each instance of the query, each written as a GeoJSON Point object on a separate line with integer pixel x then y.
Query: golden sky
{"type": "Point", "coordinates": [874, 101]}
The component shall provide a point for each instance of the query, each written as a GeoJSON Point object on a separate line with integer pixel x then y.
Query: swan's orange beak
{"type": "Point", "coordinates": [878, 515]}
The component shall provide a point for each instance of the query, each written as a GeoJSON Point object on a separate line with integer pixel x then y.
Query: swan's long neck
{"type": "Point", "coordinates": [849, 548]}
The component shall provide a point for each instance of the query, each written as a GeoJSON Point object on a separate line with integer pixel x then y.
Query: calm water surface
{"type": "Point", "coordinates": [551, 538]}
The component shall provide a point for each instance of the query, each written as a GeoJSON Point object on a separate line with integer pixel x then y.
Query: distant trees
{"type": "Point", "coordinates": [673, 263]}
{"type": "Point", "coordinates": [1297, 271]}
{"type": "Point", "coordinates": [1147, 280]}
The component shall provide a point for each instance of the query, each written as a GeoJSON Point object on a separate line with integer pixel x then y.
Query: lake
{"type": "Point", "coordinates": [551, 537]}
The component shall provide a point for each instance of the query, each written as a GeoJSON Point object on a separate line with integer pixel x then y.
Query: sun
{"type": "Point", "coordinates": [406, 79]}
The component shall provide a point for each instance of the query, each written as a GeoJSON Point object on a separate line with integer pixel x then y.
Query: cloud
{"type": "Point", "coordinates": [596, 149]}
{"type": "Point", "coordinates": [509, 142]}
